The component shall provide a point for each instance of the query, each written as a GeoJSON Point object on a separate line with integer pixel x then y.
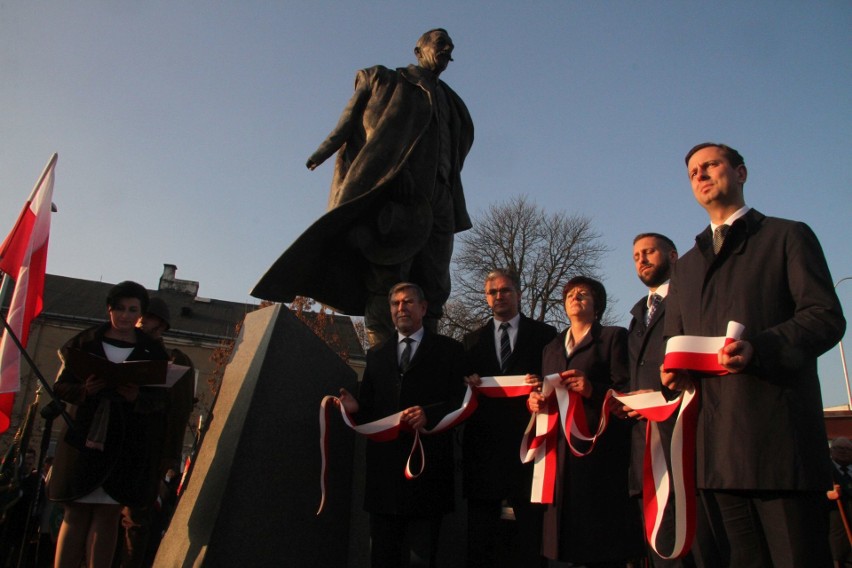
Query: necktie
{"type": "Point", "coordinates": [405, 358]}
{"type": "Point", "coordinates": [719, 237]}
{"type": "Point", "coordinates": [505, 345]}
{"type": "Point", "coordinates": [655, 303]}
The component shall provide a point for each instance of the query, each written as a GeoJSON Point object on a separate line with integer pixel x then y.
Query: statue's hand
{"type": "Point", "coordinates": [311, 165]}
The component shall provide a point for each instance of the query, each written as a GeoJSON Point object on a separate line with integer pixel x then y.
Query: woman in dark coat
{"type": "Point", "coordinates": [111, 455]}
{"type": "Point", "coordinates": [591, 521]}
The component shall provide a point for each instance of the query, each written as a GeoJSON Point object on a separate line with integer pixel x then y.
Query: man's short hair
{"type": "Point", "coordinates": [667, 241]}
{"type": "Point", "coordinates": [127, 289]}
{"type": "Point", "coordinates": [421, 41]}
{"type": "Point", "coordinates": [596, 288]}
{"type": "Point", "coordinates": [734, 158]}
{"type": "Point", "coordinates": [505, 273]}
{"type": "Point", "coordinates": [418, 291]}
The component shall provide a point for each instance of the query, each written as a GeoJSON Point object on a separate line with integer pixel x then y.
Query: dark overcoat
{"type": "Point", "coordinates": [593, 518]}
{"type": "Point", "coordinates": [492, 435]}
{"type": "Point", "coordinates": [762, 428]}
{"type": "Point", "coordinates": [128, 466]}
{"type": "Point", "coordinates": [377, 139]}
{"type": "Point", "coordinates": [646, 348]}
{"type": "Point", "coordinates": [434, 381]}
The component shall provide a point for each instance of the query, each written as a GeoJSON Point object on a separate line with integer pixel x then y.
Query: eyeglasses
{"type": "Point", "coordinates": [499, 291]}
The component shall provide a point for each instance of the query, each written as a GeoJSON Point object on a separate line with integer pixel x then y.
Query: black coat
{"type": "Point", "coordinates": [128, 466]}
{"type": "Point", "coordinates": [762, 428]}
{"type": "Point", "coordinates": [646, 348]}
{"type": "Point", "coordinates": [434, 381]}
{"type": "Point", "coordinates": [492, 436]}
{"type": "Point", "coordinates": [593, 518]}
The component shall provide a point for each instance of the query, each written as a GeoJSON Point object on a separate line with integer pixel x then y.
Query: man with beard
{"type": "Point", "coordinates": [653, 254]}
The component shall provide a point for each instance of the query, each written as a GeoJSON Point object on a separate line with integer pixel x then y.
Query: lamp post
{"type": "Point", "coordinates": [843, 358]}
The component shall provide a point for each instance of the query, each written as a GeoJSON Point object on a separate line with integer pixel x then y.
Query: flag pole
{"type": "Point", "coordinates": [50, 163]}
{"type": "Point", "coordinates": [56, 407]}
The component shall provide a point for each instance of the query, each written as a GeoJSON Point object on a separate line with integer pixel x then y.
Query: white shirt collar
{"type": "Point", "coordinates": [662, 291]}
{"type": "Point", "coordinates": [734, 216]}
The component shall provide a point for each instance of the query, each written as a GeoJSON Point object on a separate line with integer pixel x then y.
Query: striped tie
{"type": "Point", "coordinates": [505, 346]}
{"type": "Point", "coordinates": [405, 358]}
{"type": "Point", "coordinates": [655, 303]}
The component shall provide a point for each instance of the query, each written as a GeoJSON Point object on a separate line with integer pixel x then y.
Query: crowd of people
{"type": "Point", "coordinates": [761, 456]}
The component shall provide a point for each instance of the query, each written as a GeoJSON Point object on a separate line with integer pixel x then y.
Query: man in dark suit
{"type": "Point", "coordinates": [421, 374]}
{"type": "Point", "coordinates": [761, 444]}
{"type": "Point", "coordinates": [493, 472]}
{"type": "Point", "coordinates": [653, 255]}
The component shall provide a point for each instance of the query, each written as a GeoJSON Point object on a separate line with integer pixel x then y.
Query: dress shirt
{"type": "Point", "coordinates": [512, 331]}
{"type": "Point", "coordinates": [417, 336]}
{"type": "Point", "coordinates": [662, 291]}
{"type": "Point", "coordinates": [730, 220]}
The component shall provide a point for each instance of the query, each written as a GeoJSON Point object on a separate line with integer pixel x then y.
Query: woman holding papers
{"type": "Point", "coordinates": [591, 520]}
{"type": "Point", "coordinates": [110, 457]}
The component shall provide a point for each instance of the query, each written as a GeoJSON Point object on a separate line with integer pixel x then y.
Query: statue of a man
{"type": "Point", "coordinates": [396, 198]}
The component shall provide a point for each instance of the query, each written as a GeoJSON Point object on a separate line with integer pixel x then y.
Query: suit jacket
{"type": "Point", "coordinates": [592, 497]}
{"type": "Point", "coordinates": [381, 135]}
{"type": "Point", "coordinates": [492, 435]}
{"type": "Point", "coordinates": [762, 428]}
{"type": "Point", "coordinates": [435, 381]}
{"type": "Point", "coordinates": [646, 349]}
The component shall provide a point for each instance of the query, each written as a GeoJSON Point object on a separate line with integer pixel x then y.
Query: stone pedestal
{"type": "Point", "coordinates": [255, 488]}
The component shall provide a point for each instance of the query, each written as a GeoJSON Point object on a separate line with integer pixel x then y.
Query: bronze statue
{"type": "Point", "coordinates": [396, 196]}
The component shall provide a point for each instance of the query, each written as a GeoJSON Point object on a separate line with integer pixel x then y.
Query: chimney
{"type": "Point", "coordinates": [169, 282]}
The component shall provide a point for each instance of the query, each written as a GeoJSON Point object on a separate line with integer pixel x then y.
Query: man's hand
{"type": "Point", "coordinates": [473, 380]}
{"type": "Point", "coordinates": [414, 417]}
{"type": "Point", "coordinates": [675, 380]}
{"type": "Point", "coordinates": [535, 403]}
{"type": "Point", "coordinates": [348, 401]}
{"type": "Point", "coordinates": [625, 411]}
{"type": "Point", "coordinates": [534, 380]}
{"type": "Point", "coordinates": [734, 357]}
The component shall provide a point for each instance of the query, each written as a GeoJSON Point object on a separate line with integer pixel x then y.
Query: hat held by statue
{"type": "Point", "coordinates": [393, 231]}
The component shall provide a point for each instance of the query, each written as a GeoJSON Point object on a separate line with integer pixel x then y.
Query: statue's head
{"type": "Point", "coordinates": [434, 50]}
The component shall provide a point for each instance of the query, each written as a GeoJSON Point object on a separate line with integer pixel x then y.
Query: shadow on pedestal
{"type": "Point", "coordinates": [255, 488]}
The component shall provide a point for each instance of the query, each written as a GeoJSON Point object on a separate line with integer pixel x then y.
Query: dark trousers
{"type": "Point", "coordinates": [772, 528]}
{"type": "Point", "coordinates": [399, 541]}
{"type": "Point", "coordinates": [489, 543]}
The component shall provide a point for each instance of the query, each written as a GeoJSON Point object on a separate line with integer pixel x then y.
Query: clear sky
{"type": "Point", "coordinates": [183, 127]}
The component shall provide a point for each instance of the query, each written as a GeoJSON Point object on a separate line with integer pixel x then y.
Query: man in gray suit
{"type": "Point", "coordinates": [761, 450]}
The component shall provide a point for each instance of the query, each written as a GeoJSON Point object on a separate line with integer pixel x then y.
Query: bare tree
{"type": "Point", "coordinates": [544, 248]}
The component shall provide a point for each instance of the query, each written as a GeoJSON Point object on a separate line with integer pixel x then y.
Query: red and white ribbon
{"type": "Point", "coordinates": [388, 428]}
{"type": "Point", "coordinates": [658, 482]}
{"type": "Point", "coordinates": [541, 436]}
{"type": "Point", "coordinates": [700, 353]}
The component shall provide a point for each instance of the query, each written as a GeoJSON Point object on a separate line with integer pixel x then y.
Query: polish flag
{"type": "Point", "coordinates": [695, 353]}
{"type": "Point", "coordinates": [23, 257]}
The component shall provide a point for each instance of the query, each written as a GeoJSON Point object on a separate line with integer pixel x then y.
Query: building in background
{"type": "Point", "coordinates": [203, 328]}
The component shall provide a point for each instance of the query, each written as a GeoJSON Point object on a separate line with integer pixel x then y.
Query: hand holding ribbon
{"type": "Point", "coordinates": [414, 419]}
